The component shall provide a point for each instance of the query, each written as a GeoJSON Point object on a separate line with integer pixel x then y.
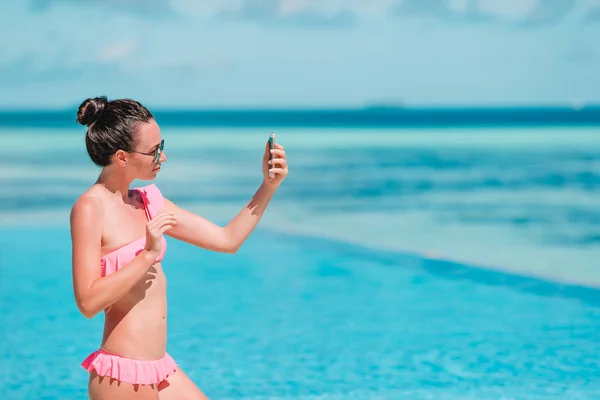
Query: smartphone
{"type": "Point", "coordinates": [271, 147]}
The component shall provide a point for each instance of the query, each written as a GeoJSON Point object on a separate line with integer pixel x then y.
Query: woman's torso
{"type": "Point", "coordinates": [135, 325]}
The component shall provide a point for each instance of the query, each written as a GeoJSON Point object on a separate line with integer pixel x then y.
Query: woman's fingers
{"type": "Point", "coordinates": [278, 153]}
{"type": "Point", "coordinates": [161, 220]}
{"type": "Point", "coordinates": [279, 161]}
{"type": "Point", "coordinates": [279, 171]}
{"type": "Point", "coordinates": [165, 228]}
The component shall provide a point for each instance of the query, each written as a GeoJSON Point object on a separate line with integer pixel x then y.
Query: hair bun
{"type": "Point", "coordinates": [90, 110]}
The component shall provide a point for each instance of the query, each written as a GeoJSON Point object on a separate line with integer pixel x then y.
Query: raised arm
{"type": "Point", "coordinates": [196, 230]}
{"type": "Point", "coordinates": [94, 293]}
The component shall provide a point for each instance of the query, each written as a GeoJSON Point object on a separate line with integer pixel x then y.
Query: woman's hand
{"type": "Point", "coordinates": [278, 164]}
{"type": "Point", "coordinates": [155, 229]}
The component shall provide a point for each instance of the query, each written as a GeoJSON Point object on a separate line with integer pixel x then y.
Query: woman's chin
{"type": "Point", "coordinates": [152, 174]}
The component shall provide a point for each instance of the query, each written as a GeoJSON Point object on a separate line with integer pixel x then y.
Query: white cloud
{"type": "Point", "coordinates": [136, 7]}
{"type": "Point", "coordinates": [361, 8]}
{"type": "Point", "coordinates": [458, 6]}
{"type": "Point", "coordinates": [341, 12]}
{"type": "Point", "coordinates": [308, 11]}
{"type": "Point", "coordinates": [202, 8]}
{"type": "Point", "coordinates": [508, 10]}
{"type": "Point", "coordinates": [529, 13]}
{"type": "Point", "coordinates": [118, 51]}
{"type": "Point", "coordinates": [291, 7]}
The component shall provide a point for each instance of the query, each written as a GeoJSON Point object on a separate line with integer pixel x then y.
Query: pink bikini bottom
{"type": "Point", "coordinates": [135, 372]}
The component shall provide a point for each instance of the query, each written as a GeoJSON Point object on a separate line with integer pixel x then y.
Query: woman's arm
{"type": "Point", "coordinates": [94, 293]}
{"type": "Point", "coordinates": [196, 230]}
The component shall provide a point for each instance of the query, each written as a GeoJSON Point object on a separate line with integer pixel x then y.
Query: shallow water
{"type": "Point", "coordinates": [296, 317]}
{"type": "Point", "coordinates": [520, 200]}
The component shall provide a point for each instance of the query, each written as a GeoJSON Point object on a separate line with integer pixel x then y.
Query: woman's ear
{"type": "Point", "coordinates": [121, 158]}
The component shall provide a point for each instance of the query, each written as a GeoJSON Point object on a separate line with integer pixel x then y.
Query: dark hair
{"type": "Point", "coordinates": [112, 126]}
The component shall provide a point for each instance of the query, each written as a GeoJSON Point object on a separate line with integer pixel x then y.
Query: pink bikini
{"type": "Point", "coordinates": [125, 369]}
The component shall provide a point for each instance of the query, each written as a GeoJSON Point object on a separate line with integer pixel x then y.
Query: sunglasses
{"type": "Point", "coordinates": [156, 154]}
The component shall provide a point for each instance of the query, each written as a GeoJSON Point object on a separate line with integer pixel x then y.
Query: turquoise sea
{"type": "Point", "coordinates": [402, 262]}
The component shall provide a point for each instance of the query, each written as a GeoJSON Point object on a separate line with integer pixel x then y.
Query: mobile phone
{"type": "Point", "coordinates": [271, 147]}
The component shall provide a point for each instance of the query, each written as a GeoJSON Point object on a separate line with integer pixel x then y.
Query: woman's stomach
{"type": "Point", "coordinates": [136, 325]}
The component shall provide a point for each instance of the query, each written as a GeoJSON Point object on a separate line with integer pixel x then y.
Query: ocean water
{"type": "Point", "coordinates": [430, 263]}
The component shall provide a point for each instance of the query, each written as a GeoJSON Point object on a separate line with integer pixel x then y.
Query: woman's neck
{"type": "Point", "coordinates": [116, 182]}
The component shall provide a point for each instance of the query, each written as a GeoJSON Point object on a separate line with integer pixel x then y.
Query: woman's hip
{"type": "Point", "coordinates": [129, 370]}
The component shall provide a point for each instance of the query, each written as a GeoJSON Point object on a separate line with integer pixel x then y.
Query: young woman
{"type": "Point", "coordinates": [118, 244]}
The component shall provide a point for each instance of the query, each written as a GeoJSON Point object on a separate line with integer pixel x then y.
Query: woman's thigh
{"type": "Point", "coordinates": [105, 388]}
{"type": "Point", "coordinates": [179, 387]}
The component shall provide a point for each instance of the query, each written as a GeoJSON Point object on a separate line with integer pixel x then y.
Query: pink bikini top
{"type": "Point", "coordinates": [153, 202]}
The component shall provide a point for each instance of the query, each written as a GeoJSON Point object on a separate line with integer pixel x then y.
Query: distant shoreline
{"type": "Point", "coordinates": [367, 117]}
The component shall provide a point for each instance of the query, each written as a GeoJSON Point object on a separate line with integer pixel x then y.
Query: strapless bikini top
{"type": "Point", "coordinates": [153, 203]}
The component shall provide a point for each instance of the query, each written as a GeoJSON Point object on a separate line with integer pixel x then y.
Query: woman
{"type": "Point", "coordinates": [118, 245]}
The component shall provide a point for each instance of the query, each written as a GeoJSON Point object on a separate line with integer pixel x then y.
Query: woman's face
{"type": "Point", "coordinates": [148, 154]}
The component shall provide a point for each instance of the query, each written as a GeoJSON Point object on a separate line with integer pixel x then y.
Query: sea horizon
{"type": "Point", "coordinates": [369, 116]}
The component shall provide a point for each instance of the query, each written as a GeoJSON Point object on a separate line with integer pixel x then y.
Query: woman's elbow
{"type": "Point", "coordinates": [232, 250]}
{"type": "Point", "coordinates": [86, 310]}
{"type": "Point", "coordinates": [227, 246]}
{"type": "Point", "coordinates": [230, 247]}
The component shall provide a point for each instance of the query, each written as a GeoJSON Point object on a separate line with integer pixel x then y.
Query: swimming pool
{"type": "Point", "coordinates": [302, 318]}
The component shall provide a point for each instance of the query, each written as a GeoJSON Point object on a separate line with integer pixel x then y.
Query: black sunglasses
{"type": "Point", "coordinates": [156, 154]}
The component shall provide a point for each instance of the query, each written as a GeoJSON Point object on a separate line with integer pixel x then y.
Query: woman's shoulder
{"type": "Point", "coordinates": [92, 200]}
{"type": "Point", "coordinates": [151, 190]}
{"type": "Point", "coordinates": [154, 197]}
{"type": "Point", "coordinates": [89, 206]}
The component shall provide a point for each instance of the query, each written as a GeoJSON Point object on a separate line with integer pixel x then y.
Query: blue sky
{"type": "Point", "coordinates": [300, 53]}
